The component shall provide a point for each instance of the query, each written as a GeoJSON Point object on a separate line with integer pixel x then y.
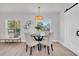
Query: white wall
{"type": "Point", "coordinates": [61, 27]}
{"type": "Point", "coordinates": [69, 24]}
{"type": "Point", "coordinates": [53, 17]}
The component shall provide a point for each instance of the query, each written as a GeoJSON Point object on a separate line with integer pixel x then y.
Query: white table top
{"type": "Point", "coordinates": [40, 34]}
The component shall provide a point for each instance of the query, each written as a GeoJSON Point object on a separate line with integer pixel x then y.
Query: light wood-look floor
{"type": "Point", "coordinates": [19, 49]}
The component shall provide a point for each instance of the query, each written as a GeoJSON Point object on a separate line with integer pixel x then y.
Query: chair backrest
{"type": "Point", "coordinates": [30, 40]}
{"type": "Point", "coordinates": [49, 37]}
{"type": "Point", "coordinates": [28, 37]}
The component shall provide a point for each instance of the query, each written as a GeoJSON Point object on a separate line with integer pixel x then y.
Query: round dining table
{"type": "Point", "coordinates": [38, 38]}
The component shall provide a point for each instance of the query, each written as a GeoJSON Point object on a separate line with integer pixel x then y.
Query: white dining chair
{"type": "Point", "coordinates": [47, 41]}
{"type": "Point", "coordinates": [30, 42]}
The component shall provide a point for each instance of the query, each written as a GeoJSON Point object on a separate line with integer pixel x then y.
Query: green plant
{"type": "Point", "coordinates": [17, 30]}
{"type": "Point", "coordinates": [11, 24]}
{"type": "Point", "coordinates": [40, 26]}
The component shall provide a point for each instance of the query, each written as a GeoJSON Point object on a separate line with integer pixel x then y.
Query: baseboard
{"type": "Point", "coordinates": [55, 40]}
{"type": "Point", "coordinates": [15, 41]}
{"type": "Point", "coordinates": [72, 50]}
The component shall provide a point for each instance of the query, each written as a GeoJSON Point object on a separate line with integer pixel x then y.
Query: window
{"type": "Point", "coordinates": [14, 28]}
{"type": "Point", "coordinates": [43, 25]}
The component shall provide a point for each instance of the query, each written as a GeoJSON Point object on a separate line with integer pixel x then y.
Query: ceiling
{"type": "Point", "coordinates": [32, 7]}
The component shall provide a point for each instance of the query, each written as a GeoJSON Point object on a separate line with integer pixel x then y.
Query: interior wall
{"type": "Point", "coordinates": [53, 18]}
{"type": "Point", "coordinates": [69, 25]}
{"type": "Point", "coordinates": [61, 27]}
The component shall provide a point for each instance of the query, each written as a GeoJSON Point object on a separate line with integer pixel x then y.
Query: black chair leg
{"type": "Point", "coordinates": [26, 47]}
{"type": "Point", "coordinates": [44, 46]}
{"type": "Point", "coordinates": [52, 47]}
{"type": "Point", "coordinates": [48, 50]}
{"type": "Point", "coordinates": [31, 51]}
{"type": "Point", "coordinates": [39, 47]}
{"type": "Point", "coordinates": [33, 46]}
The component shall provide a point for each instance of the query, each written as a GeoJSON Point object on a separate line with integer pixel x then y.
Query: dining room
{"type": "Point", "coordinates": [34, 29]}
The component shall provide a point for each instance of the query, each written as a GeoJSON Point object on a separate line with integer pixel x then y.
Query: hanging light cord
{"type": "Point", "coordinates": [39, 10]}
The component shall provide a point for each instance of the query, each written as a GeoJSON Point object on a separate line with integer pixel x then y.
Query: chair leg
{"type": "Point", "coordinates": [52, 47]}
{"type": "Point", "coordinates": [33, 46]}
{"type": "Point", "coordinates": [44, 46]}
{"type": "Point", "coordinates": [26, 47]}
{"type": "Point", "coordinates": [39, 47]}
{"type": "Point", "coordinates": [48, 50]}
{"type": "Point", "coordinates": [30, 50]}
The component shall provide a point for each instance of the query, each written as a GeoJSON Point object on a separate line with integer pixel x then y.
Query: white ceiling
{"type": "Point", "coordinates": [32, 7]}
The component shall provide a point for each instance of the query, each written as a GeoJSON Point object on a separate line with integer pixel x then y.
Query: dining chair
{"type": "Point", "coordinates": [30, 42]}
{"type": "Point", "coordinates": [47, 41]}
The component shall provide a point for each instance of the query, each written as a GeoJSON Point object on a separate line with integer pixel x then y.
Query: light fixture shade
{"type": "Point", "coordinates": [38, 17]}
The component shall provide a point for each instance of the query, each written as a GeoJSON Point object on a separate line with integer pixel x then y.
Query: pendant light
{"type": "Point", "coordinates": [38, 17]}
